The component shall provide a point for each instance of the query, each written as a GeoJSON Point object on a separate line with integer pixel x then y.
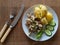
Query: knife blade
{"type": "Point", "coordinates": [13, 24]}
{"type": "Point", "coordinates": [17, 17]}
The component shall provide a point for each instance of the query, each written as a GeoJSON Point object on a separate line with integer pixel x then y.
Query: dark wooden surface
{"type": "Point", "coordinates": [17, 36]}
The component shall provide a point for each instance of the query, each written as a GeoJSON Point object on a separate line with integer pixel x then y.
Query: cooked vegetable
{"type": "Point", "coordinates": [39, 34]}
{"type": "Point", "coordinates": [40, 11]}
{"type": "Point", "coordinates": [49, 16]}
{"type": "Point", "coordinates": [44, 21]}
{"type": "Point", "coordinates": [28, 22]}
{"type": "Point", "coordinates": [51, 28]}
{"type": "Point", "coordinates": [48, 32]}
{"type": "Point", "coordinates": [43, 10]}
{"type": "Point", "coordinates": [37, 12]}
{"type": "Point", "coordinates": [37, 9]}
{"type": "Point", "coordinates": [52, 23]}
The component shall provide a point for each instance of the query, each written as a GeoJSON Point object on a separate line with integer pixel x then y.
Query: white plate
{"type": "Point", "coordinates": [44, 37]}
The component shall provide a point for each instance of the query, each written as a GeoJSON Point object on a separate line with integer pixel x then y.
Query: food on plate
{"type": "Point", "coordinates": [34, 25]}
{"type": "Point", "coordinates": [37, 12]}
{"type": "Point", "coordinates": [48, 32]}
{"type": "Point", "coordinates": [44, 21]}
{"type": "Point", "coordinates": [49, 16]}
{"type": "Point", "coordinates": [40, 11]}
{"type": "Point", "coordinates": [52, 23]}
{"type": "Point", "coordinates": [39, 34]}
{"type": "Point", "coordinates": [43, 10]}
{"type": "Point", "coordinates": [49, 27]}
{"type": "Point", "coordinates": [41, 22]}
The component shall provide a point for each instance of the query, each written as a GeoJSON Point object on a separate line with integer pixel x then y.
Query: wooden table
{"type": "Point", "coordinates": [17, 36]}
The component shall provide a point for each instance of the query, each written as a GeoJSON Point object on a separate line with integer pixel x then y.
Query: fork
{"type": "Point", "coordinates": [12, 15]}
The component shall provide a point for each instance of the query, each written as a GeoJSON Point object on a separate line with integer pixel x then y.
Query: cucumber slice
{"type": "Point", "coordinates": [52, 23]}
{"type": "Point", "coordinates": [48, 32]}
{"type": "Point", "coordinates": [51, 28]}
{"type": "Point", "coordinates": [39, 35]}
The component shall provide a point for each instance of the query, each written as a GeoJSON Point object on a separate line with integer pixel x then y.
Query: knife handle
{"type": "Point", "coordinates": [3, 29]}
{"type": "Point", "coordinates": [5, 35]}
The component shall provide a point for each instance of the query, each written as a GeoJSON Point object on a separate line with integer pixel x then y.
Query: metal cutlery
{"type": "Point", "coordinates": [13, 24]}
{"type": "Point", "coordinates": [12, 15]}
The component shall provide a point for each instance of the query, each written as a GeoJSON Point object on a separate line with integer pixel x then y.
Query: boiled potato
{"type": "Point", "coordinates": [37, 12]}
{"type": "Point", "coordinates": [37, 15]}
{"type": "Point", "coordinates": [43, 10]}
{"type": "Point", "coordinates": [44, 21]}
{"type": "Point", "coordinates": [37, 9]}
{"type": "Point", "coordinates": [49, 16]}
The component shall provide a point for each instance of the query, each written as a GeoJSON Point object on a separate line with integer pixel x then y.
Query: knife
{"type": "Point", "coordinates": [13, 23]}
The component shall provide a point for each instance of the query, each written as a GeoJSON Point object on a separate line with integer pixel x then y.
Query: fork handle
{"type": "Point", "coordinates": [5, 35]}
{"type": "Point", "coordinates": [3, 29]}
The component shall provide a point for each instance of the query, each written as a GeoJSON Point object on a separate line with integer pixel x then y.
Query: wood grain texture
{"type": "Point", "coordinates": [17, 36]}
